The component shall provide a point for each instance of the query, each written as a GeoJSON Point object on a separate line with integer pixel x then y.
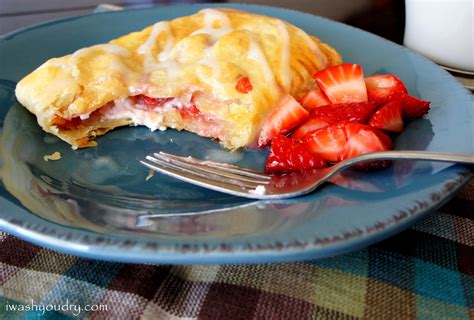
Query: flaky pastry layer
{"type": "Point", "coordinates": [196, 60]}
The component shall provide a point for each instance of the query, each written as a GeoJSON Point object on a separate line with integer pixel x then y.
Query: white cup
{"type": "Point", "coordinates": [442, 30]}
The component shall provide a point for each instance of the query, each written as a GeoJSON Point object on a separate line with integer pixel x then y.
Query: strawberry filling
{"type": "Point", "coordinates": [244, 85]}
{"type": "Point", "coordinates": [151, 102]}
{"type": "Point", "coordinates": [150, 112]}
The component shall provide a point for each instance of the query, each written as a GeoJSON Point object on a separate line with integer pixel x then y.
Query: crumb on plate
{"type": "Point", "coordinates": [259, 190]}
{"type": "Point", "coordinates": [150, 175]}
{"type": "Point", "coordinates": [55, 156]}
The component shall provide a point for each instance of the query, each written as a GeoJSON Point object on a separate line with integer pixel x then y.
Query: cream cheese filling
{"type": "Point", "coordinates": [141, 114]}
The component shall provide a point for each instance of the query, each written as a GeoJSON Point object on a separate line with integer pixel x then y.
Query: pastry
{"type": "Point", "coordinates": [217, 73]}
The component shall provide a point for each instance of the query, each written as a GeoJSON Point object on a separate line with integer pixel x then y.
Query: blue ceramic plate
{"type": "Point", "coordinates": [96, 203]}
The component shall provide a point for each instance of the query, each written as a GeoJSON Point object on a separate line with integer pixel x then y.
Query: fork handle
{"type": "Point", "coordinates": [412, 155]}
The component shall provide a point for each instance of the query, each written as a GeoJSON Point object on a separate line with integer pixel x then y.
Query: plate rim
{"type": "Point", "coordinates": [187, 254]}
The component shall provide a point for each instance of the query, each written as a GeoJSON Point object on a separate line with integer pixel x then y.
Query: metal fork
{"type": "Point", "coordinates": [251, 184]}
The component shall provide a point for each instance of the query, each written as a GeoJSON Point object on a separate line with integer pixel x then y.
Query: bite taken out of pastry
{"type": "Point", "coordinates": [218, 73]}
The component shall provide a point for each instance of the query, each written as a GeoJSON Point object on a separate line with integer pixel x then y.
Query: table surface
{"type": "Point", "coordinates": [426, 272]}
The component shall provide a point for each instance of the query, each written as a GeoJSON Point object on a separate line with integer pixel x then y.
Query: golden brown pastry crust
{"type": "Point", "coordinates": [204, 54]}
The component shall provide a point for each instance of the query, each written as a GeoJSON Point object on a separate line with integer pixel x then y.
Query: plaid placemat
{"type": "Point", "coordinates": [426, 272]}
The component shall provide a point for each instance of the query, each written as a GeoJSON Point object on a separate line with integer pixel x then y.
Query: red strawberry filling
{"type": "Point", "coordinates": [151, 102]}
{"type": "Point", "coordinates": [244, 85]}
{"type": "Point", "coordinates": [149, 111]}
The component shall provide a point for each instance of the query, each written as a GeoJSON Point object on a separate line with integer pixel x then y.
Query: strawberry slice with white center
{"type": "Point", "coordinates": [387, 87]}
{"type": "Point", "coordinates": [353, 129]}
{"type": "Point", "coordinates": [346, 140]}
{"type": "Point", "coordinates": [362, 139]}
{"type": "Point", "coordinates": [388, 117]}
{"type": "Point", "coordinates": [286, 116]}
{"type": "Point", "coordinates": [382, 87]}
{"type": "Point", "coordinates": [309, 126]}
{"type": "Point", "coordinates": [314, 99]}
{"type": "Point", "coordinates": [342, 83]}
{"type": "Point", "coordinates": [328, 143]}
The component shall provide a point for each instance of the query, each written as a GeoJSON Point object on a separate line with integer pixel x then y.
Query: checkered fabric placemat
{"type": "Point", "coordinates": [426, 272]}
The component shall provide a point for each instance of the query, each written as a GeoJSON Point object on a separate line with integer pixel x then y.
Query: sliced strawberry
{"type": "Point", "coordinates": [363, 139]}
{"type": "Point", "coordinates": [328, 142]}
{"type": "Point", "coordinates": [289, 155]}
{"type": "Point", "coordinates": [154, 102]}
{"type": "Point", "coordinates": [314, 99]}
{"type": "Point", "coordinates": [189, 113]}
{"type": "Point", "coordinates": [413, 108]}
{"type": "Point", "coordinates": [388, 117]}
{"type": "Point", "coordinates": [359, 112]}
{"type": "Point", "coordinates": [382, 87]}
{"type": "Point", "coordinates": [323, 116]}
{"type": "Point", "coordinates": [286, 116]}
{"type": "Point", "coordinates": [244, 85]}
{"type": "Point", "coordinates": [353, 129]}
{"type": "Point", "coordinates": [342, 83]}
{"type": "Point", "coordinates": [309, 126]}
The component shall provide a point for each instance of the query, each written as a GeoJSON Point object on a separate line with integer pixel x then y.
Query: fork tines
{"type": "Point", "coordinates": [217, 176]}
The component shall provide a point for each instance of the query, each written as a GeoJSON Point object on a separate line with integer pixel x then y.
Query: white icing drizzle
{"type": "Point", "coordinates": [150, 43]}
{"type": "Point", "coordinates": [255, 53]}
{"type": "Point", "coordinates": [58, 83]}
{"type": "Point", "coordinates": [55, 62]}
{"type": "Point", "coordinates": [171, 66]}
{"type": "Point", "coordinates": [211, 62]}
{"type": "Point", "coordinates": [322, 59]}
{"type": "Point", "coordinates": [111, 48]}
{"type": "Point", "coordinates": [70, 65]}
{"type": "Point", "coordinates": [211, 16]}
{"type": "Point", "coordinates": [285, 70]}
{"type": "Point", "coordinates": [163, 60]}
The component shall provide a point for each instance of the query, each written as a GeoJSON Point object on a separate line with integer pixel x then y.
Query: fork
{"type": "Point", "coordinates": [248, 183]}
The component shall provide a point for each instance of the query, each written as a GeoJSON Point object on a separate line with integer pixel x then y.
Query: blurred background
{"type": "Point", "coordinates": [383, 17]}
